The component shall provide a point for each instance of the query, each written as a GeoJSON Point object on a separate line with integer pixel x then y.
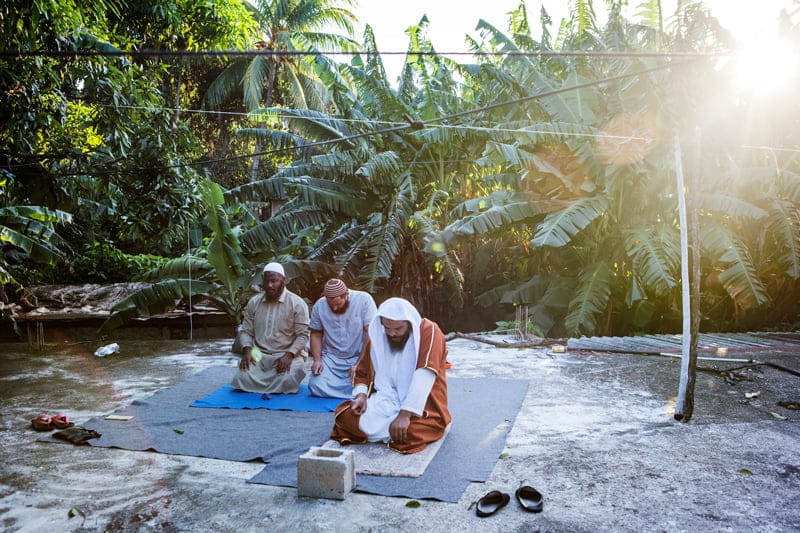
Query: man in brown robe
{"type": "Point", "coordinates": [399, 387]}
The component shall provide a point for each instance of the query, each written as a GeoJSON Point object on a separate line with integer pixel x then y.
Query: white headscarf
{"type": "Point", "coordinates": [394, 309]}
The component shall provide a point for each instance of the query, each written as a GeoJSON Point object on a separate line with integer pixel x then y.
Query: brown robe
{"type": "Point", "coordinates": [423, 429]}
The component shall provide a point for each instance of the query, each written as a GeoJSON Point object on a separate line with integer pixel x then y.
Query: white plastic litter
{"type": "Point", "coordinates": [108, 349]}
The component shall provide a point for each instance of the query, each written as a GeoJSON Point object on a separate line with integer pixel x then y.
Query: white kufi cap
{"type": "Point", "coordinates": [275, 267]}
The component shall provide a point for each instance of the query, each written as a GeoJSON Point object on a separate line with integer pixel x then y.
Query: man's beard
{"type": "Point", "coordinates": [273, 296]}
{"type": "Point", "coordinates": [397, 344]}
{"type": "Point", "coordinates": [343, 308]}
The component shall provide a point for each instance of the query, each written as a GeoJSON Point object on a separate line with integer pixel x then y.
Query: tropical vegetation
{"type": "Point", "coordinates": [542, 175]}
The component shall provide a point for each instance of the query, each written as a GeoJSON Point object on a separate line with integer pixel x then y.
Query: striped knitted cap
{"type": "Point", "coordinates": [334, 287]}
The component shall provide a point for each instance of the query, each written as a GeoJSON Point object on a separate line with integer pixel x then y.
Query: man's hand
{"type": "Point", "coordinates": [316, 367]}
{"type": "Point", "coordinates": [247, 359]}
{"type": "Point", "coordinates": [359, 404]}
{"type": "Point", "coordinates": [283, 364]}
{"type": "Point", "coordinates": [398, 429]}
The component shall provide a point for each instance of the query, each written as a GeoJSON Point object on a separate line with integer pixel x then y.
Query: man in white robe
{"type": "Point", "coordinates": [339, 322]}
{"type": "Point", "coordinates": [400, 389]}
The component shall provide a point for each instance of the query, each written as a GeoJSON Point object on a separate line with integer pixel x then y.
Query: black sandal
{"type": "Point", "coordinates": [530, 499]}
{"type": "Point", "coordinates": [492, 502]}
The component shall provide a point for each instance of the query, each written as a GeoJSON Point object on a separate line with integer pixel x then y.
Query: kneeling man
{"type": "Point", "coordinates": [339, 323]}
{"type": "Point", "coordinates": [273, 335]}
{"type": "Point", "coordinates": [400, 387]}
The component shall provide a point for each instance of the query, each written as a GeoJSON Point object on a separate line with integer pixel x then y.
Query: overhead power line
{"type": "Point", "coordinates": [413, 124]}
{"type": "Point", "coordinates": [302, 53]}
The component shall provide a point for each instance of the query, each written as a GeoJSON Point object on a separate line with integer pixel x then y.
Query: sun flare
{"type": "Point", "coordinates": [766, 65]}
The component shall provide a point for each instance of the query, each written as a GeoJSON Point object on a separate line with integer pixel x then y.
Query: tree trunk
{"type": "Point", "coordinates": [267, 103]}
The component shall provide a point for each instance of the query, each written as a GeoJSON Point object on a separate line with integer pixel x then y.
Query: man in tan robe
{"type": "Point", "coordinates": [399, 387]}
{"type": "Point", "coordinates": [274, 336]}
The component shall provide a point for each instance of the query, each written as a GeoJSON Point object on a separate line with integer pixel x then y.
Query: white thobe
{"type": "Point", "coordinates": [384, 406]}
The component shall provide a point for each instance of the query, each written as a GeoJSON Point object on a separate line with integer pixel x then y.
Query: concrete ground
{"type": "Point", "coordinates": [595, 435]}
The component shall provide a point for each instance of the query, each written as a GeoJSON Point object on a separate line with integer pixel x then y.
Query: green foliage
{"type": "Point", "coordinates": [158, 298]}
{"type": "Point", "coordinates": [27, 235]}
{"type": "Point", "coordinates": [102, 263]}
{"type": "Point", "coordinates": [543, 188]}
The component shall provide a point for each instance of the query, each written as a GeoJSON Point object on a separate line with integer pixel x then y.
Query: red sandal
{"type": "Point", "coordinates": [62, 421]}
{"type": "Point", "coordinates": [42, 423]}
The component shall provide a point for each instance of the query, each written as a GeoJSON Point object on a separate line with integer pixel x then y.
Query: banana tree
{"type": "Point", "coordinates": [576, 173]}
{"type": "Point", "coordinates": [222, 271]}
{"type": "Point", "coordinates": [383, 193]}
{"type": "Point", "coordinates": [26, 233]}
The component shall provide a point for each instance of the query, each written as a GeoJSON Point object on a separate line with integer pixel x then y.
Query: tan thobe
{"type": "Point", "coordinates": [275, 327]}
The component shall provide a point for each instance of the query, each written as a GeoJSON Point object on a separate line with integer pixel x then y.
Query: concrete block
{"type": "Point", "coordinates": [326, 473]}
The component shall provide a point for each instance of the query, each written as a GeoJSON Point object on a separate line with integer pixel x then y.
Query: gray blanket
{"type": "Point", "coordinates": [483, 411]}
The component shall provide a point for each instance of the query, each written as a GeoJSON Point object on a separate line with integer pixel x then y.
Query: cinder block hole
{"type": "Point", "coordinates": [328, 453]}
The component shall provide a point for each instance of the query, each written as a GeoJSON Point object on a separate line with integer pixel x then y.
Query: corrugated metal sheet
{"type": "Point", "coordinates": [707, 342]}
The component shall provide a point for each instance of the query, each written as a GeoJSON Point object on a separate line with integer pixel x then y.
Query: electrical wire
{"type": "Point", "coordinates": [397, 127]}
{"type": "Point", "coordinates": [305, 53]}
{"type": "Point", "coordinates": [414, 125]}
{"type": "Point", "coordinates": [489, 129]}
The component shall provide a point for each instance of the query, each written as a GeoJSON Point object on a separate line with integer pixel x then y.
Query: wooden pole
{"type": "Point", "coordinates": [693, 215]}
{"type": "Point", "coordinates": [685, 405]}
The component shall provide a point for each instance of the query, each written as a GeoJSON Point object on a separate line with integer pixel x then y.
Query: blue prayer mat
{"type": "Point", "coordinates": [228, 397]}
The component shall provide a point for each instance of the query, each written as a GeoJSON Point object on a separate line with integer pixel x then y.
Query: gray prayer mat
{"type": "Point", "coordinates": [483, 411]}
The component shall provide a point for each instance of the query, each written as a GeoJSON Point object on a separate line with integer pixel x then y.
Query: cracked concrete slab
{"type": "Point", "coordinates": [595, 435]}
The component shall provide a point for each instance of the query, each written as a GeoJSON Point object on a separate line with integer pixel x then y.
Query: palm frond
{"type": "Point", "coordinates": [256, 73]}
{"type": "Point", "coordinates": [279, 139]}
{"type": "Point", "coordinates": [347, 247]}
{"type": "Point", "coordinates": [380, 165]}
{"type": "Point", "coordinates": [479, 216]}
{"type": "Point", "coordinates": [655, 253]}
{"type": "Point", "coordinates": [256, 191]}
{"type": "Point", "coordinates": [341, 163]}
{"type": "Point", "coordinates": [783, 224]}
{"type": "Point", "coordinates": [34, 212]}
{"type": "Point", "coordinates": [558, 228]}
{"type": "Point", "coordinates": [649, 12]}
{"type": "Point", "coordinates": [507, 85]}
{"type": "Point", "coordinates": [267, 235]}
{"type": "Point", "coordinates": [527, 133]}
{"type": "Point", "coordinates": [189, 267]}
{"type": "Point", "coordinates": [728, 204]}
{"type": "Point", "coordinates": [224, 249]}
{"type": "Point", "coordinates": [331, 41]}
{"type": "Point", "coordinates": [156, 299]}
{"type": "Point", "coordinates": [38, 249]}
{"type": "Point", "coordinates": [226, 83]}
{"type": "Point", "coordinates": [790, 186]}
{"type": "Point", "coordinates": [442, 263]}
{"type": "Point", "coordinates": [589, 300]}
{"type": "Point", "coordinates": [740, 278]}
{"type": "Point", "coordinates": [329, 195]}
{"type": "Point", "coordinates": [583, 14]}
{"type": "Point", "coordinates": [384, 243]}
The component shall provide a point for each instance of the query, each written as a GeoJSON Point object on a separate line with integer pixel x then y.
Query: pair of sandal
{"type": "Point", "coordinates": [529, 499]}
{"type": "Point", "coordinates": [45, 422]}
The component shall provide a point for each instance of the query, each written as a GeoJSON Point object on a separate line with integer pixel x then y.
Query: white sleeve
{"type": "Point", "coordinates": [358, 389]}
{"type": "Point", "coordinates": [418, 391]}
